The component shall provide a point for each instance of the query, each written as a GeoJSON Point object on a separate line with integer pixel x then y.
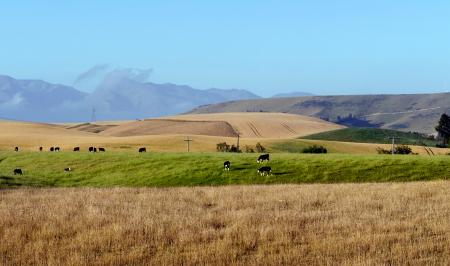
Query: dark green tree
{"type": "Point", "coordinates": [443, 128]}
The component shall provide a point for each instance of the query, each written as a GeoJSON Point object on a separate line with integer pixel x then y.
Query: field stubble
{"type": "Point", "coordinates": [382, 223]}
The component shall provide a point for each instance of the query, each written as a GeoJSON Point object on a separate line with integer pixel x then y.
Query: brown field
{"type": "Point", "coordinates": [349, 224]}
{"type": "Point", "coordinates": [30, 136]}
{"type": "Point", "coordinates": [267, 125]}
{"type": "Point", "coordinates": [171, 127]}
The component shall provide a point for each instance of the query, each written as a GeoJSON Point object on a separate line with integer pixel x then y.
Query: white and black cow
{"type": "Point", "coordinates": [262, 158]}
{"type": "Point", "coordinates": [18, 171]}
{"type": "Point", "coordinates": [264, 170]}
{"type": "Point", "coordinates": [226, 165]}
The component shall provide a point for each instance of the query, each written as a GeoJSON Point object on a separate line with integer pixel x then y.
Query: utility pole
{"type": "Point", "coordinates": [238, 135]}
{"type": "Point", "coordinates": [393, 143]}
{"type": "Point", "coordinates": [188, 140]}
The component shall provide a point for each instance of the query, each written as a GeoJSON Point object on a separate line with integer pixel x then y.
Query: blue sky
{"type": "Point", "coordinates": [268, 47]}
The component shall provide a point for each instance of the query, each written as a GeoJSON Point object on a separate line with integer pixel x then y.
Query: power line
{"type": "Point", "coordinates": [93, 116]}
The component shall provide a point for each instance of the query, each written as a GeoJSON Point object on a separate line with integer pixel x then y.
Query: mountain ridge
{"type": "Point", "coordinates": [116, 97]}
{"type": "Point", "coordinates": [406, 112]}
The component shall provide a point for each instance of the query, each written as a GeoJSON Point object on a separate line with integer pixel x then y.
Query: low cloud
{"type": "Point", "coordinates": [135, 74]}
{"type": "Point", "coordinates": [92, 73]}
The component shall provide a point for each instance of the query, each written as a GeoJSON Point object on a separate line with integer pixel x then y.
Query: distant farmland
{"type": "Point", "coordinates": [373, 135]}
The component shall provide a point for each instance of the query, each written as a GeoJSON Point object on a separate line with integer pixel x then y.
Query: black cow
{"type": "Point", "coordinates": [142, 150]}
{"type": "Point", "coordinates": [40, 148]}
{"type": "Point", "coordinates": [76, 149]}
{"type": "Point", "coordinates": [265, 170]}
{"type": "Point", "coordinates": [226, 165]}
{"type": "Point", "coordinates": [91, 149]}
{"type": "Point", "coordinates": [95, 149]}
{"type": "Point", "coordinates": [101, 149]}
{"type": "Point", "coordinates": [262, 158]}
{"type": "Point", "coordinates": [57, 149]}
{"type": "Point", "coordinates": [16, 149]}
{"type": "Point", "coordinates": [68, 169]}
{"type": "Point", "coordinates": [52, 148]}
{"type": "Point", "coordinates": [18, 171]}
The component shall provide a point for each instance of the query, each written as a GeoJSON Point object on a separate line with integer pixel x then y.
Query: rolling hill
{"type": "Point", "coordinates": [405, 112]}
{"type": "Point", "coordinates": [249, 125]}
{"type": "Point", "coordinates": [373, 135]}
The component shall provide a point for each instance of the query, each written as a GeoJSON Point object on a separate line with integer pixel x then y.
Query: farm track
{"type": "Point", "coordinates": [254, 129]}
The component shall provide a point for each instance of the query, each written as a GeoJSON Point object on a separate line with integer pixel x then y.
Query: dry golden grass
{"type": "Point", "coordinates": [171, 127]}
{"type": "Point", "coordinates": [349, 224]}
{"type": "Point", "coordinates": [30, 136]}
{"type": "Point", "coordinates": [267, 125]}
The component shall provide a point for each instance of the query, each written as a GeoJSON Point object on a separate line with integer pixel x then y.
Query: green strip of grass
{"type": "Point", "coordinates": [373, 135]}
{"type": "Point", "coordinates": [182, 169]}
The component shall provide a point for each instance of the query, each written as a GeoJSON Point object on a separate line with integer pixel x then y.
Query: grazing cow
{"type": "Point", "coordinates": [91, 149]}
{"type": "Point", "coordinates": [52, 148]}
{"type": "Point", "coordinates": [142, 150]}
{"type": "Point", "coordinates": [57, 149]}
{"type": "Point", "coordinates": [16, 149]}
{"type": "Point", "coordinates": [226, 165]}
{"type": "Point", "coordinates": [68, 169]}
{"type": "Point", "coordinates": [264, 170]}
{"type": "Point", "coordinates": [262, 158]}
{"type": "Point", "coordinates": [101, 149]}
{"type": "Point", "coordinates": [18, 171]}
{"type": "Point", "coordinates": [40, 148]}
{"type": "Point", "coordinates": [76, 149]}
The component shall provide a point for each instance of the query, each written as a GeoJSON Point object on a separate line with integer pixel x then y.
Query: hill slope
{"type": "Point", "coordinates": [372, 135]}
{"type": "Point", "coordinates": [406, 112]}
{"type": "Point", "coordinates": [266, 125]}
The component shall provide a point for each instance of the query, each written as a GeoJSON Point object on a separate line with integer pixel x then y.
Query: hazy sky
{"type": "Point", "coordinates": [268, 47]}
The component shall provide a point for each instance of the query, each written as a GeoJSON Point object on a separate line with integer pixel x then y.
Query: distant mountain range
{"type": "Point", "coordinates": [117, 97]}
{"type": "Point", "coordinates": [406, 112]}
{"type": "Point", "coordinates": [292, 94]}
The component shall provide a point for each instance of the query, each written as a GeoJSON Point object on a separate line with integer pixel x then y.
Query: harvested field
{"type": "Point", "coordinates": [30, 136]}
{"type": "Point", "coordinates": [92, 128]}
{"type": "Point", "coordinates": [384, 223]}
{"type": "Point", "coordinates": [267, 125]}
{"type": "Point", "coordinates": [171, 127]}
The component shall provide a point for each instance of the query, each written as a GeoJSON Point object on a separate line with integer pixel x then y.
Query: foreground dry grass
{"type": "Point", "coordinates": [401, 223]}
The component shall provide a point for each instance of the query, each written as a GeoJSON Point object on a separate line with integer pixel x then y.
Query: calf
{"type": "Point", "coordinates": [18, 171]}
{"type": "Point", "coordinates": [101, 149]}
{"type": "Point", "coordinates": [142, 150]}
{"type": "Point", "coordinates": [57, 149]}
{"type": "Point", "coordinates": [226, 165]}
{"type": "Point", "coordinates": [40, 148]}
{"type": "Point", "coordinates": [262, 158]}
{"type": "Point", "coordinates": [91, 149]}
{"type": "Point", "coordinates": [16, 149]}
{"type": "Point", "coordinates": [95, 149]}
{"type": "Point", "coordinates": [76, 149]}
{"type": "Point", "coordinates": [264, 170]}
{"type": "Point", "coordinates": [52, 148]}
{"type": "Point", "coordinates": [68, 169]}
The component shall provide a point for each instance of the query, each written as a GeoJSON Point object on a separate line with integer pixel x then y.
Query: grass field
{"type": "Point", "coordinates": [332, 224]}
{"type": "Point", "coordinates": [189, 169]}
{"type": "Point", "coordinates": [372, 135]}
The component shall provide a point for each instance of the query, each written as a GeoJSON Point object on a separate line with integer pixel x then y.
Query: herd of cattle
{"type": "Point", "coordinates": [265, 170]}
